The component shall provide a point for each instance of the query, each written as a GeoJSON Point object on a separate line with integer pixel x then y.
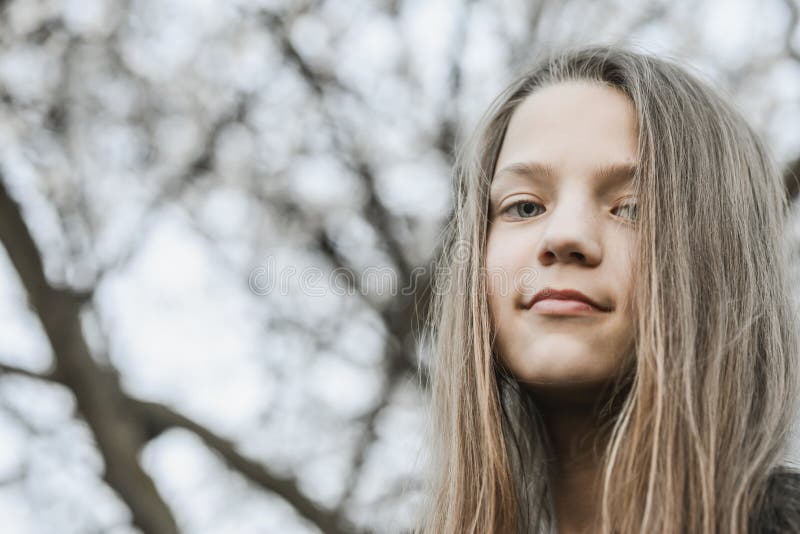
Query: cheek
{"type": "Point", "coordinates": [500, 266]}
{"type": "Point", "coordinates": [511, 270]}
{"type": "Point", "coordinates": [507, 276]}
{"type": "Point", "coordinates": [495, 251]}
{"type": "Point", "coordinates": [507, 252]}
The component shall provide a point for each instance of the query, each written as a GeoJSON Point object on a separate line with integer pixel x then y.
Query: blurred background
{"type": "Point", "coordinates": [217, 224]}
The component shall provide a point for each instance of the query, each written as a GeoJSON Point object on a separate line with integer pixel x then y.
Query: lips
{"type": "Point", "coordinates": [567, 295]}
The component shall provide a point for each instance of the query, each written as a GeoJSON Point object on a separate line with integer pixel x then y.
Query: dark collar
{"type": "Point", "coordinates": [779, 512]}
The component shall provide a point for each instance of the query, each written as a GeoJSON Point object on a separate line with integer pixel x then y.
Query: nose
{"type": "Point", "coordinates": [570, 236]}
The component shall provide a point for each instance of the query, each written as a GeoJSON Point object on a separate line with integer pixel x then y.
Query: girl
{"type": "Point", "coordinates": [613, 331]}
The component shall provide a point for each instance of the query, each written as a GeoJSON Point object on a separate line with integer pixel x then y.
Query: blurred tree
{"type": "Point", "coordinates": [219, 221]}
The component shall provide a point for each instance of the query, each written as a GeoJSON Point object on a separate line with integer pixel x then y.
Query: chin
{"type": "Point", "coordinates": [550, 370]}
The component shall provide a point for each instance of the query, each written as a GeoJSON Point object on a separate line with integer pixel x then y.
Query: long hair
{"type": "Point", "coordinates": [706, 411]}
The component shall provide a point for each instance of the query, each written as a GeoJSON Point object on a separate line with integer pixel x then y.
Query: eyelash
{"type": "Point", "coordinates": [521, 202]}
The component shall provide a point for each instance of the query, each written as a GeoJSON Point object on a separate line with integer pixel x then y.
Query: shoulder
{"type": "Point", "coordinates": [780, 509]}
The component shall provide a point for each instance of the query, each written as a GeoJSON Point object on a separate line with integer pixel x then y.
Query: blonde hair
{"type": "Point", "coordinates": [703, 408]}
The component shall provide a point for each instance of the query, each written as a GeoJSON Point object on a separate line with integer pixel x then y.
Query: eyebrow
{"type": "Point", "coordinates": [617, 170]}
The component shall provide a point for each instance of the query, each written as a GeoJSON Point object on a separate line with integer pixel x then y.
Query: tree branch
{"type": "Point", "coordinates": [97, 394]}
{"type": "Point", "coordinates": [51, 376]}
{"type": "Point", "coordinates": [159, 418]}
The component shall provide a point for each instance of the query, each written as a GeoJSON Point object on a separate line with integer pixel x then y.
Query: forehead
{"type": "Point", "coordinates": [571, 127]}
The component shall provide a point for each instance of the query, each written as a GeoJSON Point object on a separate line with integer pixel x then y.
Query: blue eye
{"type": "Point", "coordinates": [524, 208]}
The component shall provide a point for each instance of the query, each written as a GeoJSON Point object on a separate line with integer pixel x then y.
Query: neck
{"type": "Point", "coordinates": [574, 470]}
{"type": "Point", "coordinates": [575, 428]}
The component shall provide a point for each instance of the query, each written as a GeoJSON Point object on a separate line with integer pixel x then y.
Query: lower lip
{"type": "Point", "coordinates": [564, 307]}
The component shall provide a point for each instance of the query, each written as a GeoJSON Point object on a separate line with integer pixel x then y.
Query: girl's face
{"type": "Point", "coordinates": [562, 217]}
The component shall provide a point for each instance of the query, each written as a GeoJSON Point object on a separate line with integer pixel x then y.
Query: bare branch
{"type": "Point", "coordinates": [117, 420]}
{"type": "Point", "coordinates": [97, 393]}
{"type": "Point", "coordinates": [369, 435]}
{"type": "Point", "coordinates": [160, 418]}
{"type": "Point", "coordinates": [173, 188]}
{"type": "Point", "coordinates": [51, 376]}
